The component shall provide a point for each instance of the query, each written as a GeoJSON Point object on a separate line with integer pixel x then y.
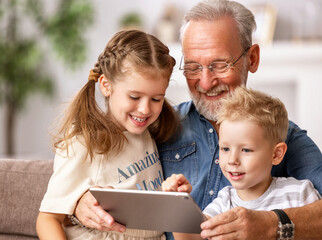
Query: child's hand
{"type": "Point", "coordinates": [176, 183]}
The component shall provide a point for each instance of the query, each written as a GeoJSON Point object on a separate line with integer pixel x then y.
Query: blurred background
{"type": "Point", "coordinates": [48, 47]}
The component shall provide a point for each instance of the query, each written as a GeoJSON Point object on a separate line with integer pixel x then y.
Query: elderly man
{"type": "Point", "coordinates": [217, 55]}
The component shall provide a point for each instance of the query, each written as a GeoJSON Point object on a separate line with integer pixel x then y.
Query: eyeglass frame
{"type": "Point", "coordinates": [229, 65]}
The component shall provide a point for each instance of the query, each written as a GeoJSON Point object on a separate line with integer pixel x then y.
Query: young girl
{"type": "Point", "coordinates": [114, 147]}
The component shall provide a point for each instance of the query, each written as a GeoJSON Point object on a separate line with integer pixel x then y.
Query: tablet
{"type": "Point", "coordinates": [151, 210]}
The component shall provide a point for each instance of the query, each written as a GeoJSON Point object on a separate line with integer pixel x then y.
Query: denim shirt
{"type": "Point", "coordinates": [195, 152]}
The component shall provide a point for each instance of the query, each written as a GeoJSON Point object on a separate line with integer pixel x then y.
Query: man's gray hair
{"type": "Point", "coordinates": [211, 10]}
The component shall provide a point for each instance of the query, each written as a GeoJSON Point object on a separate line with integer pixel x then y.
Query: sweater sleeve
{"type": "Point", "coordinates": [72, 177]}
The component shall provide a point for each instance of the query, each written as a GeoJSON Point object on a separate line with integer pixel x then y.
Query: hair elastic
{"type": "Point", "coordinates": [93, 76]}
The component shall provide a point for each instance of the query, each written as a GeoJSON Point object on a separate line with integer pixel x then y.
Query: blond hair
{"type": "Point", "coordinates": [267, 112]}
{"type": "Point", "coordinates": [142, 52]}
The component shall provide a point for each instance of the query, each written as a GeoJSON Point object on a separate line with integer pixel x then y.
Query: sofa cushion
{"type": "Point", "coordinates": [16, 237]}
{"type": "Point", "coordinates": [23, 184]}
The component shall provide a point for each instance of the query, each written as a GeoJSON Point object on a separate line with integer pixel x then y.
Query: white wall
{"type": "Point", "coordinates": [297, 85]}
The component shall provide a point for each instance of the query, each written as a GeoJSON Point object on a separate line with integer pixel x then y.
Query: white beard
{"type": "Point", "coordinates": [205, 107]}
{"type": "Point", "coordinates": [209, 109]}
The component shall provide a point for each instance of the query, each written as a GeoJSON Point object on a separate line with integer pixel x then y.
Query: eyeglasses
{"type": "Point", "coordinates": [193, 70]}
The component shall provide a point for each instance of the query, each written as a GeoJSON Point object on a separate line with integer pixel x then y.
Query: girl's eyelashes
{"type": "Point", "coordinates": [156, 100]}
{"type": "Point", "coordinates": [134, 97]}
{"type": "Point", "coordinates": [137, 98]}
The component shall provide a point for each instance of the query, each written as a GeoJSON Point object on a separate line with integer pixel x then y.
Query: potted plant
{"type": "Point", "coordinates": [22, 68]}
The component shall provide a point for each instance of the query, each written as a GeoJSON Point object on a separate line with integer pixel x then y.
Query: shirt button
{"type": "Point", "coordinates": [217, 161]}
{"type": "Point", "coordinates": [211, 192]}
{"type": "Point", "coordinates": [177, 156]}
{"type": "Point", "coordinates": [211, 130]}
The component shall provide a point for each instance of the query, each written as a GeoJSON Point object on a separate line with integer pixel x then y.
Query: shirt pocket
{"type": "Point", "coordinates": [181, 159]}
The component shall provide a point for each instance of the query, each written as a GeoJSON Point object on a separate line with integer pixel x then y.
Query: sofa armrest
{"type": "Point", "coordinates": [23, 184]}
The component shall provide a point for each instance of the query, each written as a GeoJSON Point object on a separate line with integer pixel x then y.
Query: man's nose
{"type": "Point", "coordinates": [207, 79]}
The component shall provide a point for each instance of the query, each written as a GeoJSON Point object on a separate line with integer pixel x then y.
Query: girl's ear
{"type": "Point", "coordinates": [105, 85]}
{"type": "Point", "coordinates": [279, 152]}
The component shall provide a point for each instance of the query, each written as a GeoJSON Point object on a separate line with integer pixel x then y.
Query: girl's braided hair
{"type": "Point", "coordinates": [84, 118]}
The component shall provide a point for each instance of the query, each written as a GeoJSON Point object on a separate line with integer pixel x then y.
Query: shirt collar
{"type": "Point", "coordinates": [189, 108]}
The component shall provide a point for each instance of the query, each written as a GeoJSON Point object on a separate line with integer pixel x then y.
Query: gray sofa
{"type": "Point", "coordinates": [22, 186]}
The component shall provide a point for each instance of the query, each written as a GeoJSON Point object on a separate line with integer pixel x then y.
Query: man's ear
{"type": "Point", "coordinates": [105, 85]}
{"type": "Point", "coordinates": [279, 152]}
{"type": "Point", "coordinates": [253, 58]}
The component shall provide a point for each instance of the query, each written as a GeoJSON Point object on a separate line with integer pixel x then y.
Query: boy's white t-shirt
{"type": "Point", "coordinates": [137, 166]}
{"type": "Point", "coordinates": [282, 193]}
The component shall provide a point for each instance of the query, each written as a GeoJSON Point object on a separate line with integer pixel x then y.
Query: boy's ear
{"type": "Point", "coordinates": [105, 85]}
{"type": "Point", "coordinates": [279, 152]}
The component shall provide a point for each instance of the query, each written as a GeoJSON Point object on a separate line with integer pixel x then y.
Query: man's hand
{"type": "Point", "coordinates": [92, 215]}
{"type": "Point", "coordinates": [241, 223]}
{"type": "Point", "coordinates": [176, 183]}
